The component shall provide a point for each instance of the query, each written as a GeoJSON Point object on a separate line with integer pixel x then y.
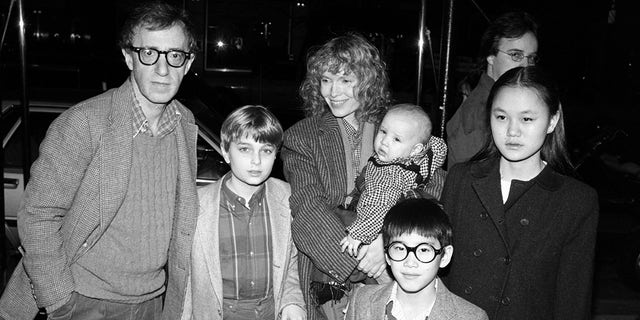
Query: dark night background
{"type": "Point", "coordinates": [591, 46]}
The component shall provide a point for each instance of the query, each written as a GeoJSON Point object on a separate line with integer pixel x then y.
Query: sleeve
{"type": "Point", "coordinates": [65, 154]}
{"type": "Point", "coordinates": [381, 192]}
{"type": "Point", "coordinates": [436, 184]}
{"type": "Point", "coordinates": [292, 294]}
{"type": "Point", "coordinates": [575, 274]}
{"type": "Point", "coordinates": [316, 229]}
{"type": "Point", "coordinates": [439, 149]}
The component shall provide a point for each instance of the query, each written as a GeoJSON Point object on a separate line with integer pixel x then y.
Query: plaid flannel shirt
{"type": "Point", "coordinates": [387, 182]}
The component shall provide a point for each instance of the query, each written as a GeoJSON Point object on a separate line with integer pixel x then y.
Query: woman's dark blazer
{"type": "Point", "coordinates": [532, 260]}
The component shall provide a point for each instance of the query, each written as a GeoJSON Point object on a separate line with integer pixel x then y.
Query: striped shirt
{"type": "Point", "coordinates": [245, 245]}
{"type": "Point", "coordinates": [354, 136]}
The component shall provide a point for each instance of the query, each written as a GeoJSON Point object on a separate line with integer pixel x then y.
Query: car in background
{"type": "Point", "coordinates": [211, 165]}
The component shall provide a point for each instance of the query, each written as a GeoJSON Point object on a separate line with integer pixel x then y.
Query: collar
{"type": "Point", "coordinates": [169, 118]}
{"type": "Point", "coordinates": [394, 309]}
{"type": "Point", "coordinates": [231, 199]}
{"type": "Point", "coordinates": [548, 179]}
{"type": "Point", "coordinates": [485, 81]}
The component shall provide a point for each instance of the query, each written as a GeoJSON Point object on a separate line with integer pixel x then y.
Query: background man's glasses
{"type": "Point", "coordinates": [424, 252]}
{"type": "Point", "coordinates": [149, 56]}
{"type": "Point", "coordinates": [517, 56]}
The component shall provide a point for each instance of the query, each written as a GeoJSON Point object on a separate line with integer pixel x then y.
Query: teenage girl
{"type": "Point", "coordinates": [524, 229]}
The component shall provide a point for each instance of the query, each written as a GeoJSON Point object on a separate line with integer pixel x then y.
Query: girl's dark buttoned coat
{"type": "Point", "coordinates": [532, 259]}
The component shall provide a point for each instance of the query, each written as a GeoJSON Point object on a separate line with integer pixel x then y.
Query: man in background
{"type": "Point", "coordinates": [510, 41]}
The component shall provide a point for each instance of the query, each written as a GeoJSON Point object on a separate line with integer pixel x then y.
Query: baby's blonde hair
{"type": "Point", "coordinates": [417, 114]}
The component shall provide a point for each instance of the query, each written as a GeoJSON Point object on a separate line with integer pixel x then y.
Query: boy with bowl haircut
{"type": "Point", "coordinates": [244, 262]}
{"type": "Point", "coordinates": [417, 238]}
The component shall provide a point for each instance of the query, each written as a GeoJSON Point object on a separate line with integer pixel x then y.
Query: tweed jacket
{"type": "Point", "coordinates": [203, 299]}
{"type": "Point", "coordinates": [531, 258]}
{"type": "Point", "coordinates": [466, 130]}
{"type": "Point", "coordinates": [369, 303]}
{"type": "Point", "coordinates": [77, 185]}
{"type": "Point", "coordinates": [314, 164]}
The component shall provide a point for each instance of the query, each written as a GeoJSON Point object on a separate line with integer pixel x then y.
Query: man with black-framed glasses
{"type": "Point", "coordinates": [109, 213]}
{"type": "Point", "coordinates": [510, 41]}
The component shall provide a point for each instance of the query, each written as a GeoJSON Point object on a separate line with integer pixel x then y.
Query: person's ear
{"type": "Point", "coordinates": [490, 59]}
{"type": "Point", "coordinates": [225, 155]}
{"type": "Point", "coordinates": [417, 149]}
{"type": "Point", "coordinates": [189, 62]}
{"type": "Point", "coordinates": [446, 256]}
{"type": "Point", "coordinates": [553, 122]}
{"type": "Point", "coordinates": [128, 59]}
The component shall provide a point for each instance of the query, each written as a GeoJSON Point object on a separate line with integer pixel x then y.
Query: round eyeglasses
{"type": "Point", "coordinates": [517, 56]}
{"type": "Point", "coordinates": [424, 252]}
{"type": "Point", "coordinates": [149, 56]}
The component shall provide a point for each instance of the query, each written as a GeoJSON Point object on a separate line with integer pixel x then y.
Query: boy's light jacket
{"type": "Point", "coordinates": [203, 298]}
{"type": "Point", "coordinates": [370, 301]}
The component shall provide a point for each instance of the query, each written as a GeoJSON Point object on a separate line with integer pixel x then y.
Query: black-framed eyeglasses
{"type": "Point", "coordinates": [149, 56]}
{"type": "Point", "coordinates": [518, 56]}
{"type": "Point", "coordinates": [424, 252]}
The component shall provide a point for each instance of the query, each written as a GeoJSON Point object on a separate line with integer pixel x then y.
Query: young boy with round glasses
{"type": "Point", "coordinates": [417, 236]}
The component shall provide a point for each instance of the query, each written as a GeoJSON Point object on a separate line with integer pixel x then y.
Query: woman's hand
{"type": "Point", "coordinates": [371, 258]}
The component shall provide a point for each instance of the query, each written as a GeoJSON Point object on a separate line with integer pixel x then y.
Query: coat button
{"type": "Point", "coordinates": [468, 290]}
{"type": "Point", "coordinates": [483, 215]}
{"type": "Point", "coordinates": [524, 222]}
{"type": "Point", "coordinates": [506, 260]}
{"type": "Point", "coordinates": [506, 301]}
{"type": "Point", "coordinates": [477, 252]}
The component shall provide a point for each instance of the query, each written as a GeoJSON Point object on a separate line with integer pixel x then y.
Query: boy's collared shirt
{"type": "Point", "coordinates": [245, 245]}
{"type": "Point", "coordinates": [168, 120]}
{"type": "Point", "coordinates": [394, 310]}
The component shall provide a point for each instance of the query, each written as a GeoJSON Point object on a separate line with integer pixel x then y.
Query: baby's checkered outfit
{"type": "Point", "coordinates": [386, 182]}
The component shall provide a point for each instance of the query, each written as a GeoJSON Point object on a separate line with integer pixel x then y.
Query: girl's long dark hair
{"type": "Point", "coordinates": [554, 150]}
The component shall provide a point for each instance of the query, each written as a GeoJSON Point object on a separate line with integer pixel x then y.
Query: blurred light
{"type": "Point", "coordinates": [299, 4]}
{"type": "Point", "coordinates": [220, 44]}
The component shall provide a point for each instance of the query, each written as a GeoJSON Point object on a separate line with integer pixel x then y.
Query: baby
{"type": "Point", "coordinates": [406, 158]}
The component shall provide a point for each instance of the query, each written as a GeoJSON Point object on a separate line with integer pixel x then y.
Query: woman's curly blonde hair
{"type": "Point", "coordinates": [350, 53]}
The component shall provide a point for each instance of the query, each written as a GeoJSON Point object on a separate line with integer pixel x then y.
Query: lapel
{"type": "Point", "coordinates": [332, 152]}
{"type": "Point", "coordinates": [531, 205]}
{"type": "Point", "coordinates": [442, 307]}
{"type": "Point", "coordinates": [186, 208]}
{"type": "Point", "coordinates": [486, 184]}
{"type": "Point", "coordinates": [376, 306]}
{"type": "Point", "coordinates": [208, 237]}
{"type": "Point", "coordinates": [115, 155]}
{"type": "Point", "coordinates": [280, 218]}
